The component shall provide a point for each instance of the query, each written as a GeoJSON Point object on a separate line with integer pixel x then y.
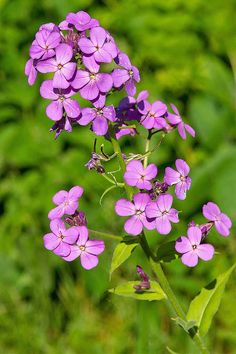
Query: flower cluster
{"type": "Point", "coordinates": [74, 52]}
{"type": "Point", "coordinates": [74, 55]}
{"type": "Point", "coordinates": [194, 246]}
{"type": "Point", "coordinates": [152, 208]}
{"type": "Point", "coordinates": [73, 242]}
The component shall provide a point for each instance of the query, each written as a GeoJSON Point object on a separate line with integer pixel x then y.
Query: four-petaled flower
{"type": "Point", "coordinates": [152, 114]}
{"type": "Point", "coordinates": [62, 66]}
{"type": "Point", "coordinates": [81, 20]}
{"type": "Point", "coordinates": [67, 202]}
{"type": "Point", "coordinates": [61, 101]}
{"type": "Point", "coordinates": [97, 46]}
{"type": "Point", "coordinates": [161, 211]}
{"type": "Point", "coordinates": [92, 83]}
{"type": "Point", "coordinates": [192, 249]}
{"type": "Point", "coordinates": [221, 221]}
{"type": "Point", "coordinates": [43, 47]}
{"type": "Point", "coordinates": [136, 210]}
{"type": "Point", "coordinates": [138, 176]}
{"type": "Point", "coordinates": [86, 249]}
{"type": "Point", "coordinates": [179, 178]}
{"type": "Point", "coordinates": [127, 76]}
{"type": "Point", "coordinates": [99, 118]}
{"type": "Point", "coordinates": [176, 120]}
{"type": "Point", "coordinates": [60, 239]}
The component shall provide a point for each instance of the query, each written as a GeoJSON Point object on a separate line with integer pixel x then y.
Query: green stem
{"type": "Point", "coordinates": [117, 150]}
{"type": "Point", "coordinates": [111, 181]}
{"type": "Point", "coordinates": [106, 235]}
{"type": "Point", "coordinates": [156, 266]}
{"type": "Point", "coordinates": [158, 271]}
{"type": "Point", "coordinates": [145, 161]}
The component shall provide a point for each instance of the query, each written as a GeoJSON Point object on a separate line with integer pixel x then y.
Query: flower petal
{"type": "Point", "coordinates": [141, 200]}
{"type": "Point", "coordinates": [95, 246]}
{"type": "Point", "coordinates": [163, 225]}
{"type": "Point", "coordinates": [194, 235]}
{"type": "Point", "coordinates": [183, 245]}
{"type": "Point", "coordinates": [182, 167]}
{"type": "Point", "coordinates": [60, 197]}
{"type": "Point", "coordinates": [51, 241]}
{"type": "Point", "coordinates": [190, 259]}
{"type": "Point", "coordinates": [164, 202]}
{"type": "Point", "coordinates": [124, 207]}
{"type": "Point", "coordinates": [205, 251]}
{"type": "Point", "coordinates": [72, 108]}
{"type": "Point", "coordinates": [54, 110]}
{"type": "Point", "coordinates": [133, 226]}
{"type": "Point", "coordinates": [100, 126]}
{"type": "Point", "coordinates": [46, 90]}
{"type": "Point", "coordinates": [171, 176]}
{"type": "Point", "coordinates": [150, 172]}
{"type": "Point", "coordinates": [64, 53]}
{"type": "Point", "coordinates": [88, 261]}
{"type": "Point", "coordinates": [62, 250]}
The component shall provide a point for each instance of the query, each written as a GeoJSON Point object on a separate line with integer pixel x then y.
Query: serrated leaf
{"type": "Point", "coordinates": [204, 306]}
{"type": "Point", "coordinates": [122, 252]}
{"type": "Point", "coordinates": [127, 289]}
{"type": "Point", "coordinates": [166, 252]}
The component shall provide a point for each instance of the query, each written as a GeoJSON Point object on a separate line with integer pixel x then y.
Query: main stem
{"type": "Point", "coordinates": [158, 271]}
{"type": "Point", "coordinates": [156, 266]}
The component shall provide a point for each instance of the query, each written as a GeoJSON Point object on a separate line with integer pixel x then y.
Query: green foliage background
{"type": "Point", "coordinates": [186, 52]}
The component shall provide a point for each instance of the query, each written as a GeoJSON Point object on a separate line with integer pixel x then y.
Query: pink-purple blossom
{"type": "Point", "coordinates": [31, 71]}
{"type": "Point", "coordinates": [138, 176]}
{"type": "Point", "coordinates": [176, 120]}
{"type": "Point", "coordinates": [60, 239]}
{"type": "Point", "coordinates": [97, 46]}
{"type": "Point", "coordinates": [86, 249]}
{"type": "Point", "coordinates": [81, 21]}
{"type": "Point", "coordinates": [126, 76]}
{"type": "Point", "coordinates": [61, 101]}
{"type": "Point", "coordinates": [62, 65]}
{"type": "Point", "coordinates": [91, 83]}
{"type": "Point", "coordinates": [136, 210]}
{"type": "Point", "coordinates": [67, 202]}
{"type": "Point", "coordinates": [152, 114]}
{"type": "Point", "coordinates": [221, 221]}
{"type": "Point", "coordinates": [162, 213]}
{"type": "Point", "coordinates": [179, 178]}
{"type": "Point", "coordinates": [43, 47]}
{"type": "Point", "coordinates": [191, 247]}
{"type": "Point", "coordinates": [99, 118]}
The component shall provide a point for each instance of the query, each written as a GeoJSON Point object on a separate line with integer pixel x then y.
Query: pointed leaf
{"type": "Point", "coordinates": [127, 289]}
{"type": "Point", "coordinates": [166, 252]}
{"type": "Point", "coordinates": [121, 253]}
{"type": "Point", "coordinates": [186, 325]}
{"type": "Point", "coordinates": [204, 306]}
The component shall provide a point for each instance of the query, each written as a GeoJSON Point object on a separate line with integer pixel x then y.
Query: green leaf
{"type": "Point", "coordinates": [166, 252]}
{"type": "Point", "coordinates": [204, 306]}
{"type": "Point", "coordinates": [186, 325]}
{"type": "Point", "coordinates": [122, 252]}
{"type": "Point", "coordinates": [127, 289]}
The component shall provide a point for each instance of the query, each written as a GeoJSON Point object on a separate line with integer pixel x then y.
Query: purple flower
{"type": "Point", "coordinates": [138, 176]}
{"type": "Point", "coordinates": [30, 71]}
{"type": "Point", "coordinates": [127, 76]}
{"type": "Point", "coordinates": [192, 249]}
{"type": "Point", "coordinates": [123, 129]}
{"type": "Point", "coordinates": [98, 46]}
{"type": "Point", "coordinates": [86, 249]}
{"type": "Point", "coordinates": [81, 20]}
{"type": "Point", "coordinates": [67, 202]}
{"type": "Point", "coordinates": [62, 66]}
{"type": "Point", "coordinates": [61, 101]}
{"type": "Point", "coordinates": [221, 221]}
{"type": "Point", "coordinates": [64, 124]}
{"type": "Point", "coordinates": [136, 210]}
{"type": "Point", "coordinates": [152, 114]}
{"type": "Point", "coordinates": [91, 83]}
{"type": "Point", "coordinates": [99, 118]}
{"type": "Point", "coordinates": [43, 47]}
{"type": "Point", "coordinates": [179, 178]}
{"type": "Point", "coordinates": [163, 214]}
{"type": "Point", "coordinates": [60, 239]}
{"type": "Point", "coordinates": [176, 120]}
{"type": "Point", "coordinates": [145, 283]}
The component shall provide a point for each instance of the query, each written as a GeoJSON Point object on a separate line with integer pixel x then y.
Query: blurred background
{"type": "Point", "coordinates": [186, 53]}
